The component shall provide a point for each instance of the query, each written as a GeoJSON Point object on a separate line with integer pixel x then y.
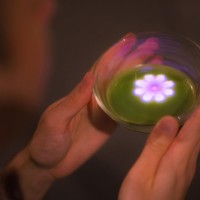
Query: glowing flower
{"type": "Point", "coordinates": [155, 88]}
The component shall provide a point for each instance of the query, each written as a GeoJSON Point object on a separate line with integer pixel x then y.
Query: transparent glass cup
{"type": "Point", "coordinates": [146, 76]}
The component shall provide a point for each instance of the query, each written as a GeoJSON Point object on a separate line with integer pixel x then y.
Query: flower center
{"type": "Point", "coordinates": [155, 87]}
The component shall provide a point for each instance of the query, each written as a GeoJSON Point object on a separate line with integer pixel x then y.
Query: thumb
{"type": "Point", "coordinates": [157, 145]}
{"type": "Point", "coordinates": [70, 105]}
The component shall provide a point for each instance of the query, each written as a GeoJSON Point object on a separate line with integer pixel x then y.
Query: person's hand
{"type": "Point", "coordinates": [73, 128]}
{"type": "Point", "coordinates": [167, 164]}
{"type": "Point", "coordinates": [69, 132]}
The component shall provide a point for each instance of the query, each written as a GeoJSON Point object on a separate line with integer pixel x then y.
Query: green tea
{"type": "Point", "coordinates": [146, 93]}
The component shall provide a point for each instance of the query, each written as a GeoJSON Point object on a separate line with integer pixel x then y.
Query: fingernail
{"type": "Point", "coordinates": [128, 36]}
{"type": "Point", "coordinates": [168, 125]}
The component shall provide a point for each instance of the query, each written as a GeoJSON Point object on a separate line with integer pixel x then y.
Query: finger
{"type": "Point", "coordinates": [190, 132]}
{"type": "Point", "coordinates": [77, 99]}
{"type": "Point", "coordinates": [187, 142]}
{"type": "Point", "coordinates": [182, 156]}
{"type": "Point", "coordinates": [155, 60]}
{"type": "Point", "coordinates": [143, 52]}
{"type": "Point", "coordinates": [157, 145]}
{"type": "Point", "coordinates": [116, 53]}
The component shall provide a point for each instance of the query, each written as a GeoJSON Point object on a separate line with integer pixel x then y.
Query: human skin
{"type": "Point", "coordinates": [61, 144]}
{"type": "Point", "coordinates": [167, 164]}
{"type": "Point", "coordinates": [67, 136]}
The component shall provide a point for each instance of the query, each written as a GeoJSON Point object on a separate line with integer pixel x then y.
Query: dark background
{"type": "Point", "coordinates": [83, 30]}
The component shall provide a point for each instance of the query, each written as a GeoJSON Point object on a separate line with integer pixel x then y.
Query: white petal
{"type": "Point", "coordinates": [168, 92]}
{"type": "Point", "coordinates": [149, 77]}
{"type": "Point", "coordinates": [139, 91]}
{"type": "Point", "coordinates": [161, 77]}
{"type": "Point", "coordinates": [140, 83]}
{"type": "Point", "coordinates": [168, 84]}
{"type": "Point", "coordinates": [159, 97]}
{"type": "Point", "coordinates": [147, 97]}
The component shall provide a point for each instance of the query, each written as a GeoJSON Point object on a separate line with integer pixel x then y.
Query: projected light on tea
{"type": "Point", "coordinates": [144, 94]}
{"type": "Point", "coordinates": [154, 88]}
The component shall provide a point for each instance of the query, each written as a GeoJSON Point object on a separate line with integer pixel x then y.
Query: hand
{"type": "Point", "coordinates": [70, 131]}
{"type": "Point", "coordinates": [73, 128]}
{"type": "Point", "coordinates": [167, 164]}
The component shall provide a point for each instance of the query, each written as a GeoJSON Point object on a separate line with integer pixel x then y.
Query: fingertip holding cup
{"type": "Point", "coordinates": [147, 76]}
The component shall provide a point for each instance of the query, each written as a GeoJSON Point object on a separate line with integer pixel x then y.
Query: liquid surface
{"type": "Point", "coordinates": [145, 94]}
